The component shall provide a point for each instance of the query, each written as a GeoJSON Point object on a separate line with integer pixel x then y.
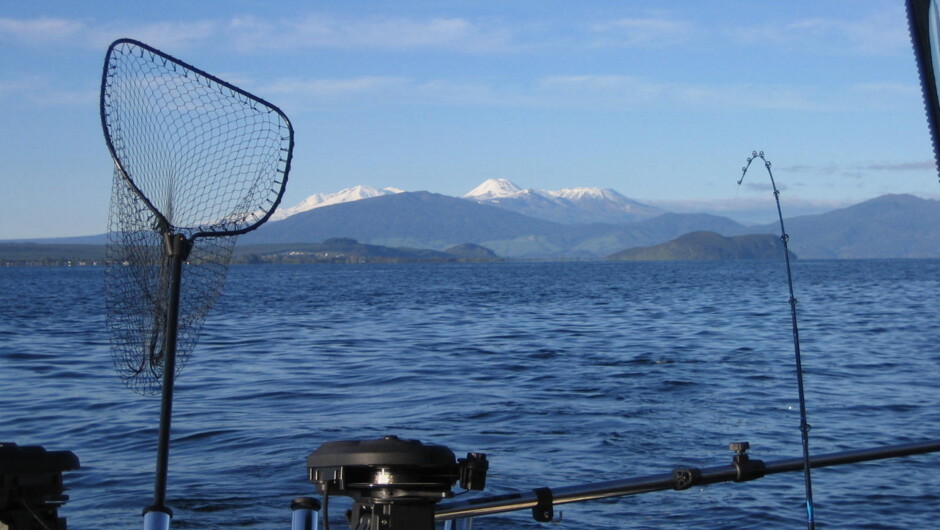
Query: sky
{"type": "Point", "coordinates": [661, 101]}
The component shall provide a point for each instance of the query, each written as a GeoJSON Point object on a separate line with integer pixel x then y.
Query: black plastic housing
{"type": "Point", "coordinates": [31, 488]}
{"type": "Point", "coordinates": [395, 483]}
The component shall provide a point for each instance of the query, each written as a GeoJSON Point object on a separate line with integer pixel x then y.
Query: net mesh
{"type": "Point", "coordinates": [137, 283]}
{"type": "Point", "coordinates": [194, 156]}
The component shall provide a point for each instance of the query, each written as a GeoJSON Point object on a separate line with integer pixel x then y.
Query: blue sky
{"type": "Point", "coordinates": [662, 101]}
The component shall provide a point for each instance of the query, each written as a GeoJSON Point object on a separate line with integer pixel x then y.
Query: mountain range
{"type": "Point", "coordinates": [586, 223]}
{"type": "Point", "coordinates": [891, 226]}
{"type": "Point", "coordinates": [567, 206]}
{"type": "Point", "coordinates": [412, 219]}
{"type": "Point", "coordinates": [429, 220]}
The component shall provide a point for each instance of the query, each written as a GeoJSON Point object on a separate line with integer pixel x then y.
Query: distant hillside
{"type": "Point", "coordinates": [471, 252]}
{"type": "Point", "coordinates": [430, 220]}
{"type": "Point", "coordinates": [56, 254]}
{"type": "Point", "coordinates": [346, 250]}
{"type": "Point", "coordinates": [890, 226]}
{"type": "Point", "coordinates": [598, 240]}
{"type": "Point", "coordinates": [708, 246]}
{"type": "Point", "coordinates": [412, 219]}
{"type": "Point", "coordinates": [97, 239]}
{"type": "Point", "coordinates": [335, 250]}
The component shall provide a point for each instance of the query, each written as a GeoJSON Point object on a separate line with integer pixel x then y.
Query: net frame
{"type": "Point", "coordinates": [118, 123]}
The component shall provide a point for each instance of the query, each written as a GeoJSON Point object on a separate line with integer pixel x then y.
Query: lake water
{"type": "Point", "coordinates": [563, 373]}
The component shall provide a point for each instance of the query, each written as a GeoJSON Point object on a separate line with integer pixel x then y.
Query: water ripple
{"type": "Point", "coordinates": [563, 373]}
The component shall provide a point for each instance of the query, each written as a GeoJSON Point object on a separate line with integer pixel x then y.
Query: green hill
{"type": "Point", "coordinates": [56, 254]}
{"type": "Point", "coordinates": [472, 252]}
{"type": "Point", "coordinates": [708, 246]}
{"type": "Point", "coordinates": [348, 250]}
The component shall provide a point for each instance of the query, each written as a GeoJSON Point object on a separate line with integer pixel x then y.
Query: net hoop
{"type": "Point", "coordinates": [202, 77]}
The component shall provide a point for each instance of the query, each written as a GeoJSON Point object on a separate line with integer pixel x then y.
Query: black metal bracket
{"type": "Point", "coordinates": [544, 511]}
{"type": "Point", "coordinates": [177, 245]}
{"type": "Point", "coordinates": [747, 469]}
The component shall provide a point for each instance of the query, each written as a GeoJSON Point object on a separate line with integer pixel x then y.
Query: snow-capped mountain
{"type": "Point", "coordinates": [318, 200]}
{"type": "Point", "coordinates": [589, 194]}
{"type": "Point", "coordinates": [494, 189]}
{"type": "Point", "coordinates": [570, 205]}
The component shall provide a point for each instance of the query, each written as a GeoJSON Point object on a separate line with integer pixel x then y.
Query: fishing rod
{"type": "Point", "coordinates": [804, 425]}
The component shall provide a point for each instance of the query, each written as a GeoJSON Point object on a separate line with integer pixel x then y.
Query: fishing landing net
{"type": "Point", "coordinates": [195, 158]}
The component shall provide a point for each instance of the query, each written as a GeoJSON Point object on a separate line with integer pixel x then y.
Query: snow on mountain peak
{"type": "Point", "coordinates": [568, 205]}
{"type": "Point", "coordinates": [318, 200]}
{"type": "Point", "coordinates": [494, 189]}
{"type": "Point", "coordinates": [504, 189]}
{"type": "Point", "coordinates": [587, 193]}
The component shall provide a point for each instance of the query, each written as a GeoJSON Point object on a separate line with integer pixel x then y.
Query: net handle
{"type": "Point", "coordinates": [164, 224]}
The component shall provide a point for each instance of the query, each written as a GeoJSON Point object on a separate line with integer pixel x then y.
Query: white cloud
{"type": "Point", "coordinates": [251, 33]}
{"type": "Point", "coordinates": [612, 92]}
{"type": "Point", "coordinates": [40, 30]}
{"type": "Point", "coordinates": [875, 34]}
{"type": "Point", "coordinates": [645, 32]}
{"type": "Point", "coordinates": [88, 34]}
{"type": "Point", "coordinates": [329, 88]}
{"type": "Point", "coordinates": [883, 95]}
{"type": "Point", "coordinates": [623, 91]}
{"type": "Point", "coordinates": [39, 91]}
{"type": "Point", "coordinates": [9, 87]}
{"type": "Point", "coordinates": [449, 33]}
{"type": "Point", "coordinates": [163, 35]}
{"type": "Point", "coordinates": [471, 94]}
{"type": "Point", "coordinates": [858, 170]}
{"type": "Point", "coordinates": [391, 90]}
{"type": "Point", "coordinates": [926, 165]}
{"type": "Point", "coordinates": [601, 90]}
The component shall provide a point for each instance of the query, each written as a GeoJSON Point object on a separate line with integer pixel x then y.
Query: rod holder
{"type": "Point", "coordinates": [394, 483]}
